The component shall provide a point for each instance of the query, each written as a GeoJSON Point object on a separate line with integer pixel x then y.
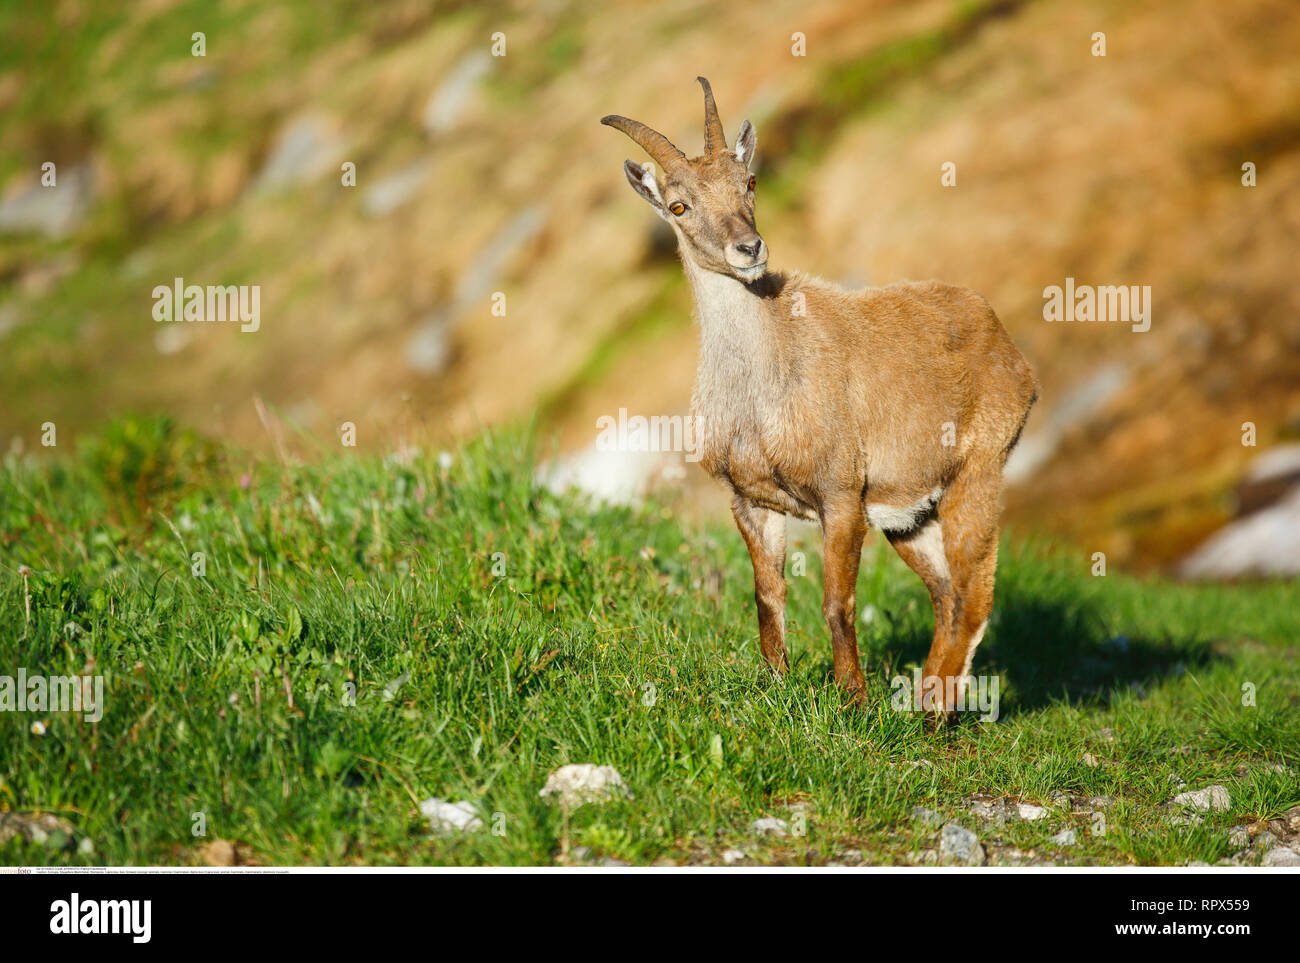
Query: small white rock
{"type": "Point", "coordinates": [1030, 812]}
{"type": "Point", "coordinates": [1066, 837]}
{"type": "Point", "coordinates": [1211, 799]}
{"type": "Point", "coordinates": [448, 819]}
{"type": "Point", "coordinates": [580, 783]}
{"type": "Point", "coordinates": [769, 826]}
{"type": "Point", "coordinates": [732, 856]}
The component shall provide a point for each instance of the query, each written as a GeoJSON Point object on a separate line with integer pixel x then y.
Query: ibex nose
{"type": "Point", "coordinates": [752, 248]}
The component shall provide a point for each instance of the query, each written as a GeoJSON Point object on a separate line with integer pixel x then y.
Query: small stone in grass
{"type": "Point", "coordinates": [1030, 812]}
{"type": "Point", "coordinates": [585, 854]}
{"type": "Point", "coordinates": [580, 783]}
{"type": "Point", "coordinates": [43, 828]}
{"type": "Point", "coordinates": [959, 845]}
{"type": "Point", "coordinates": [996, 809]}
{"type": "Point", "coordinates": [1238, 837]}
{"type": "Point", "coordinates": [1211, 799]}
{"type": "Point", "coordinates": [769, 827]}
{"type": "Point", "coordinates": [1090, 760]}
{"type": "Point", "coordinates": [448, 819]}
{"type": "Point", "coordinates": [1281, 856]}
{"type": "Point", "coordinates": [732, 856]}
{"type": "Point", "coordinates": [1266, 841]}
{"type": "Point", "coordinates": [926, 817]}
{"type": "Point", "coordinates": [1095, 803]}
{"type": "Point", "coordinates": [1066, 837]}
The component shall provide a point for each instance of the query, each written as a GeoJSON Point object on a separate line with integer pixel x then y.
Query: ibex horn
{"type": "Point", "coordinates": [715, 139]}
{"type": "Point", "coordinates": [659, 147]}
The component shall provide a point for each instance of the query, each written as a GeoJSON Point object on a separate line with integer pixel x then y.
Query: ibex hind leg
{"type": "Point", "coordinates": [922, 548]}
{"type": "Point", "coordinates": [968, 520]}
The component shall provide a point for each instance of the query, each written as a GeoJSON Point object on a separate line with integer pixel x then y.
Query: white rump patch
{"type": "Point", "coordinates": [894, 518]}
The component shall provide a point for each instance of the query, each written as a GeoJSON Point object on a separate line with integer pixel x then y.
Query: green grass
{"type": "Point", "coordinates": [604, 642]}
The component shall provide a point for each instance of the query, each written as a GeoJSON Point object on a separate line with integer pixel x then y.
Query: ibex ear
{"type": "Point", "coordinates": [642, 179]}
{"type": "Point", "coordinates": [746, 141]}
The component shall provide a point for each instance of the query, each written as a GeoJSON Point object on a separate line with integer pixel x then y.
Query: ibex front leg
{"type": "Point", "coordinates": [843, 528]}
{"type": "Point", "coordinates": [764, 533]}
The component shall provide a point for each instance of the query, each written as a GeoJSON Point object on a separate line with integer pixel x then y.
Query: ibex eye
{"type": "Point", "coordinates": [677, 207]}
{"type": "Point", "coordinates": [753, 182]}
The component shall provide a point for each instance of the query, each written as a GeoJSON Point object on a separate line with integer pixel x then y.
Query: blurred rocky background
{"type": "Point", "coordinates": [478, 174]}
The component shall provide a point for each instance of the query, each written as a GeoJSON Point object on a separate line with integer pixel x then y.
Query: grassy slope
{"type": "Point", "coordinates": [363, 570]}
{"type": "Point", "coordinates": [1058, 151]}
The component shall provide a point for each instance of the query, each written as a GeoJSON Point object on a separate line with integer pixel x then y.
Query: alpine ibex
{"type": "Point", "coordinates": [892, 406]}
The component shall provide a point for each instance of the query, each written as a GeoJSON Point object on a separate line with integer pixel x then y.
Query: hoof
{"type": "Point", "coordinates": [854, 692]}
{"type": "Point", "coordinates": [938, 721]}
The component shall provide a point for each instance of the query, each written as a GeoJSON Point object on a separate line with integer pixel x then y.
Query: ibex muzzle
{"type": "Point", "coordinates": [894, 407]}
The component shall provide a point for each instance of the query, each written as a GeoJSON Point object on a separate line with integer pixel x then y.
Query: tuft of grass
{"type": "Point", "coordinates": [295, 656]}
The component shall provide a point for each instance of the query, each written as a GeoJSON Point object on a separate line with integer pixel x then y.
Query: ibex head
{"type": "Point", "coordinates": [708, 200]}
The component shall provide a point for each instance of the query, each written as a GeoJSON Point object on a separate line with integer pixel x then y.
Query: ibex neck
{"type": "Point", "coordinates": [730, 314]}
